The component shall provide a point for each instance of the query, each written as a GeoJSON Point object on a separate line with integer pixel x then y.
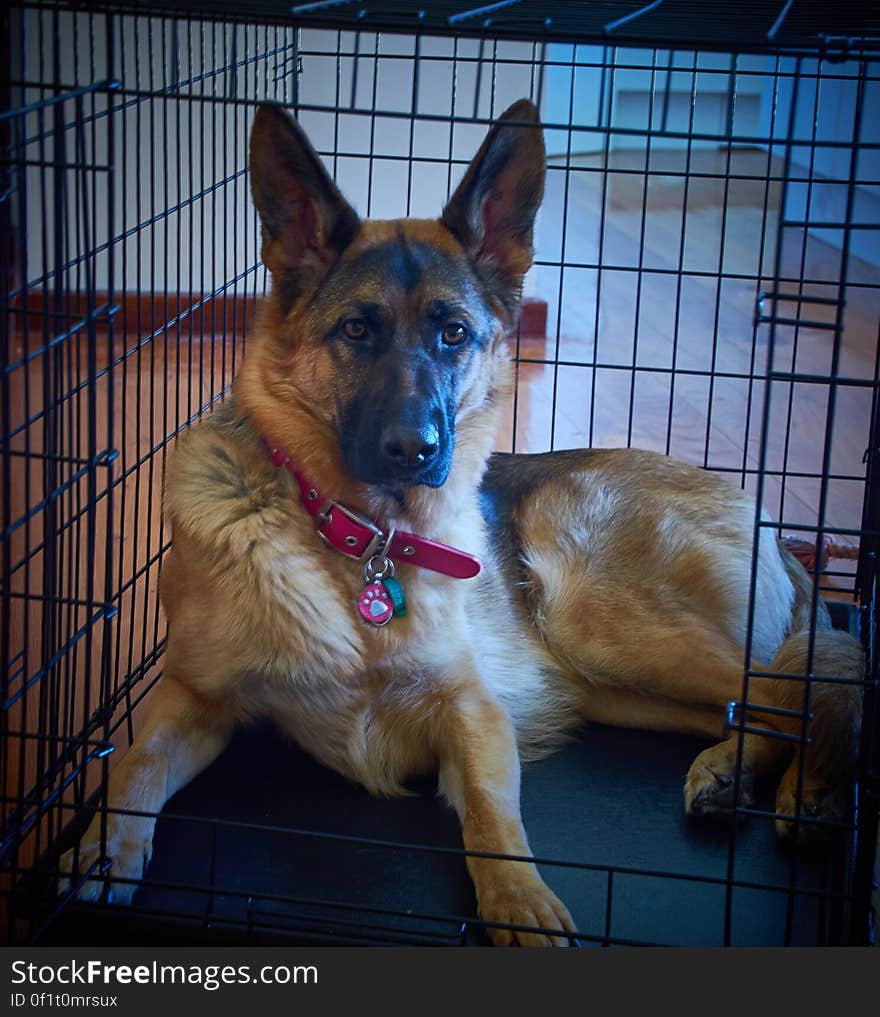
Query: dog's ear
{"type": "Point", "coordinates": [493, 210]}
{"type": "Point", "coordinates": [306, 222]}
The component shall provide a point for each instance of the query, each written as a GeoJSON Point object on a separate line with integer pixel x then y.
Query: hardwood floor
{"type": "Point", "coordinates": [631, 357]}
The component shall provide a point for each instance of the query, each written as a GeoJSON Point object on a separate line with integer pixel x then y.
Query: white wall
{"type": "Point", "coordinates": [182, 211]}
{"type": "Point", "coordinates": [181, 214]}
{"type": "Point", "coordinates": [683, 93]}
{"type": "Point", "coordinates": [826, 110]}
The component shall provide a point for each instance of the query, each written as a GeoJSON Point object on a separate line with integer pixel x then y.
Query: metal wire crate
{"type": "Point", "coordinates": [707, 284]}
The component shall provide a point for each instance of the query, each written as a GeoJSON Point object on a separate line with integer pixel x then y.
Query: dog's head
{"type": "Point", "coordinates": [391, 331]}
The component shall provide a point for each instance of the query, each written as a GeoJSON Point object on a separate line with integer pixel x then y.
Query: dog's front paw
{"type": "Point", "coordinates": [528, 902]}
{"type": "Point", "coordinates": [128, 851]}
{"type": "Point", "coordinates": [711, 784]}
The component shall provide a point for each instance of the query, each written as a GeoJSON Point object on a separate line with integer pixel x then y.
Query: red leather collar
{"type": "Point", "coordinates": [357, 537]}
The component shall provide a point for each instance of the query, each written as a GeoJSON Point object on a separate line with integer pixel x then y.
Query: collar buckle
{"type": "Point", "coordinates": [324, 515]}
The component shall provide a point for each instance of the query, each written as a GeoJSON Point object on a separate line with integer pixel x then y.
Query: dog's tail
{"type": "Point", "coordinates": [833, 701]}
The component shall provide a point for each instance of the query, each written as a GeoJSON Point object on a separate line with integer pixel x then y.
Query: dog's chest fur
{"type": "Point", "coordinates": [287, 642]}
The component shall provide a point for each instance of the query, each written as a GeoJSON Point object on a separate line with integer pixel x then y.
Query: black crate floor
{"type": "Point", "coordinates": [269, 846]}
{"type": "Point", "coordinates": [611, 798]}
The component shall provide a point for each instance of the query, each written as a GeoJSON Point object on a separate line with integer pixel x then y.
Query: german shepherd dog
{"type": "Point", "coordinates": [351, 560]}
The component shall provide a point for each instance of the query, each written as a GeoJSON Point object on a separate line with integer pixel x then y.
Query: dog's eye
{"type": "Point", "coordinates": [454, 334]}
{"type": "Point", "coordinates": [355, 328]}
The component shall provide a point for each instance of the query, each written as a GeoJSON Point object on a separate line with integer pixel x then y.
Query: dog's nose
{"type": "Point", "coordinates": [410, 448]}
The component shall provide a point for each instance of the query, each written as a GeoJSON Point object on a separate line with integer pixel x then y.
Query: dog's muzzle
{"type": "Point", "coordinates": [403, 451]}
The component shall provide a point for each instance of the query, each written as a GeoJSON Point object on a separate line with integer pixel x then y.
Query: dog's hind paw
{"type": "Point", "coordinates": [824, 810]}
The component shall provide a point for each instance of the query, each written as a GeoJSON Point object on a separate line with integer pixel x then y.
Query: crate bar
{"type": "Point", "coordinates": [759, 492]}
{"type": "Point", "coordinates": [566, 190]}
{"type": "Point", "coordinates": [54, 101]}
{"type": "Point", "coordinates": [863, 918]}
{"type": "Point", "coordinates": [24, 819]}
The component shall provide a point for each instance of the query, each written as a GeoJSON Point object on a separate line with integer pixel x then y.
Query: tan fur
{"type": "Point", "coordinates": [619, 593]}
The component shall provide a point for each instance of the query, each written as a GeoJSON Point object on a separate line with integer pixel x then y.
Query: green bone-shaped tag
{"type": "Point", "coordinates": [395, 592]}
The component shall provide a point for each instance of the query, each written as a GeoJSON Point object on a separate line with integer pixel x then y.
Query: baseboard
{"type": "Point", "coordinates": [533, 319]}
{"type": "Point", "coordinates": [138, 314]}
{"type": "Point", "coordinates": [179, 314]}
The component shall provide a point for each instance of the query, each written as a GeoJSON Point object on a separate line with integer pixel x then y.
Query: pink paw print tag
{"type": "Point", "coordinates": [379, 600]}
{"type": "Point", "coordinates": [375, 605]}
